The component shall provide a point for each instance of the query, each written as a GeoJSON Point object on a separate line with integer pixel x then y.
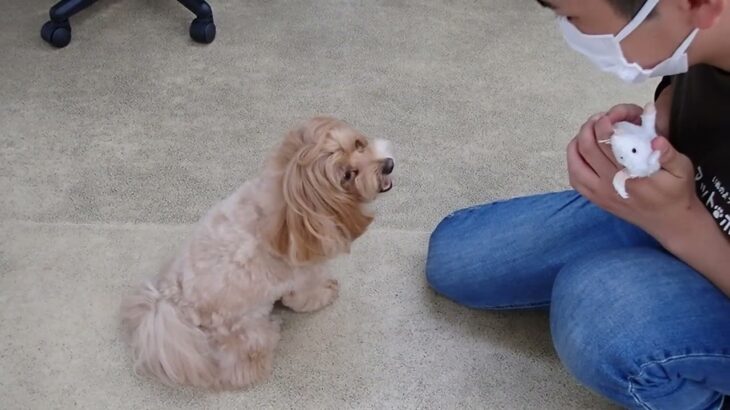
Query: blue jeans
{"type": "Point", "coordinates": [628, 319]}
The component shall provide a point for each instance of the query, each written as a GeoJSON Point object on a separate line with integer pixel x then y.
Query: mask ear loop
{"type": "Point", "coordinates": [640, 17]}
{"type": "Point", "coordinates": [686, 43]}
{"type": "Point", "coordinates": [607, 141]}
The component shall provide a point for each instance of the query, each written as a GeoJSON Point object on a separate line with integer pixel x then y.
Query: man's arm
{"type": "Point", "coordinates": [699, 243]}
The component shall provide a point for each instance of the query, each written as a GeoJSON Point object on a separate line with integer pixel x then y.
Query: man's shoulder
{"type": "Point", "coordinates": [706, 70]}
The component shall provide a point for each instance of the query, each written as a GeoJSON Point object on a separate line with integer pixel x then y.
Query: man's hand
{"type": "Point", "coordinates": [663, 205]}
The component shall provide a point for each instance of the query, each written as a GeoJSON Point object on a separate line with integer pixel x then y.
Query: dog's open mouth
{"type": "Point", "coordinates": [386, 183]}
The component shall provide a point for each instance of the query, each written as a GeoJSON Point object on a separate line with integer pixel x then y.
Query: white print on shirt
{"type": "Point", "coordinates": [716, 198]}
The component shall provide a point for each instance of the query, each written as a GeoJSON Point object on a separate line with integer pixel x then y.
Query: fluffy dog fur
{"type": "Point", "coordinates": [205, 319]}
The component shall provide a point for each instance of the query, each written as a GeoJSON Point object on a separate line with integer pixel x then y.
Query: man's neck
{"type": "Point", "coordinates": [712, 46]}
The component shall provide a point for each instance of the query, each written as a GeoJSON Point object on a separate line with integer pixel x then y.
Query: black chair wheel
{"type": "Point", "coordinates": [56, 34]}
{"type": "Point", "coordinates": [202, 30]}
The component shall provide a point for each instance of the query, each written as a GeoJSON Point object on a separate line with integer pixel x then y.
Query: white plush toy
{"type": "Point", "coordinates": [631, 145]}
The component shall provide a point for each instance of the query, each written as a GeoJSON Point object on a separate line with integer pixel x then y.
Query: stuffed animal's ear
{"type": "Point", "coordinates": [648, 119]}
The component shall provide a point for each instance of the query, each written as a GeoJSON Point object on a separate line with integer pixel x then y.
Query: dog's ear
{"type": "Point", "coordinates": [318, 219]}
{"type": "Point", "coordinates": [306, 234]}
{"type": "Point", "coordinates": [352, 221]}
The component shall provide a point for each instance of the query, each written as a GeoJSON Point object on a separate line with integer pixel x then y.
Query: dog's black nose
{"type": "Point", "coordinates": [388, 165]}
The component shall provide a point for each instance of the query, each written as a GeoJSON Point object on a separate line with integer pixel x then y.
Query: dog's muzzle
{"type": "Point", "coordinates": [384, 150]}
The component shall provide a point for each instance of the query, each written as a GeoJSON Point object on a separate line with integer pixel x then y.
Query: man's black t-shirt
{"type": "Point", "coordinates": [699, 127]}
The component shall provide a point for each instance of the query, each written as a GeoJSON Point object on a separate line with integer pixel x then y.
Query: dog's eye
{"type": "Point", "coordinates": [633, 150]}
{"type": "Point", "coordinates": [359, 144]}
{"type": "Point", "coordinates": [350, 174]}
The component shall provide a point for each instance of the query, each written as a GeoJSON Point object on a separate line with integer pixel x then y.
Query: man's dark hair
{"type": "Point", "coordinates": [627, 8]}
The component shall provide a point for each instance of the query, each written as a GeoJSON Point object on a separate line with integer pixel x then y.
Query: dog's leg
{"type": "Point", "coordinates": [246, 352]}
{"type": "Point", "coordinates": [312, 294]}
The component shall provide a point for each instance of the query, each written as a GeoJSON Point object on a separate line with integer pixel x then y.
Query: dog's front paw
{"type": "Point", "coordinates": [314, 298]}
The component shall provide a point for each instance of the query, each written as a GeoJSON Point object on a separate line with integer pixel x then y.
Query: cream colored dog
{"type": "Point", "coordinates": [205, 320]}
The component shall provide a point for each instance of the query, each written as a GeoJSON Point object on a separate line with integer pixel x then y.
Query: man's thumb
{"type": "Point", "coordinates": [671, 160]}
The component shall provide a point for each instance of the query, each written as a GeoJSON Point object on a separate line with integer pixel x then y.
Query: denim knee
{"type": "Point", "coordinates": [450, 261]}
{"type": "Point", "coordinates": [469, 262]}
{"type": "Point", "coordinates": [441, 268]}
{"type": "Point", "coordinates": [613, 330]}
{"type": "Point", "coordinates": [579, 337]}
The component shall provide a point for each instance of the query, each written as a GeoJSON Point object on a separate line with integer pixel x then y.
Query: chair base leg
{"type": "Point", "coordinates": [202, 29]}
{"type": "Point", "coordinates": [57, 34]}
{"type": "Point", "coordinates": [57, 31]}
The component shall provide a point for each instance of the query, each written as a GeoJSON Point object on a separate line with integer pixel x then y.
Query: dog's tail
{"type": "Point", "coordinates": [164, 344]}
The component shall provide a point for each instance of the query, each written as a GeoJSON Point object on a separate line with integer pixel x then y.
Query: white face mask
{"type": "Point", "coordinates": [606, 53]}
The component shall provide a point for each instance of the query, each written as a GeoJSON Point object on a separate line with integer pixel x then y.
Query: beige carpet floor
{"type": "Point", "coordinates": [112, 147]}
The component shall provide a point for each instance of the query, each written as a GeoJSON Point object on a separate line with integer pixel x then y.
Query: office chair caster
{"type": "Point", "coordinates": [202, 30]}
{"type": "Point", "coordinates": [57, 34]}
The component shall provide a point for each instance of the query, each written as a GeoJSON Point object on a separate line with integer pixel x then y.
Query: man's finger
{"type": "Point", "coordinates": [579, 171]}
{"type": "Point", "coordinates": [591, 153]}
{"type": "Point", "coordinates": [625, 112]}
{"type": "Point", "coordinates": [604, 130]}
{"type": "Point", "coordinates": [672, 161]}
{"type": "Point", "coordinates": [638, 188]}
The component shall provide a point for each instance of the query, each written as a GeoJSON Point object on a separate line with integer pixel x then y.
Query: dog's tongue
{"type": "Point", "coordinates": [387, 185]}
